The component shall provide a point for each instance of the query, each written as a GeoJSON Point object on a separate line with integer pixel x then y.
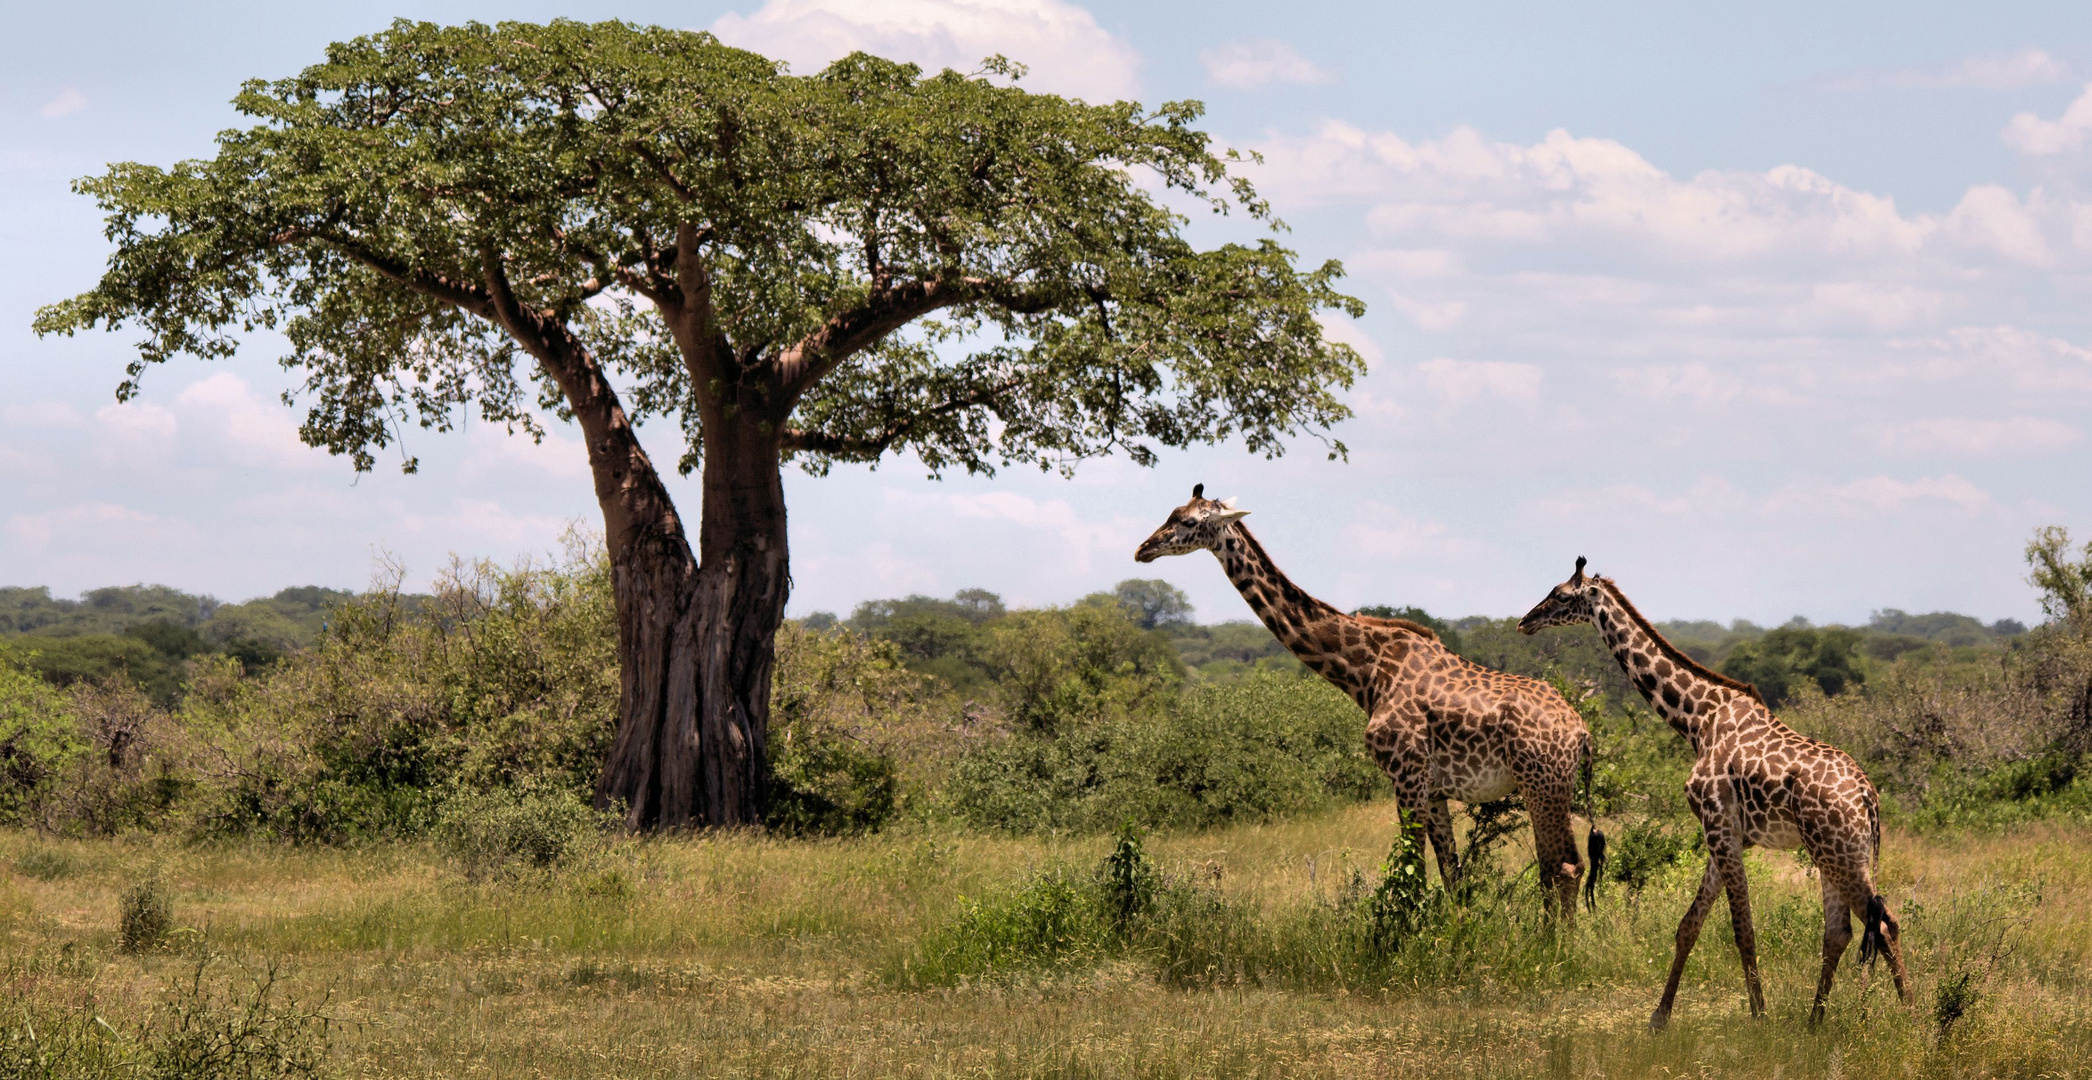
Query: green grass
{"type": "Point", "coordinates": [739, 955]}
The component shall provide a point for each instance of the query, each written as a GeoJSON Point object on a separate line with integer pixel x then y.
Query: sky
{"type": "Point", "coordinates": [1770, 309]}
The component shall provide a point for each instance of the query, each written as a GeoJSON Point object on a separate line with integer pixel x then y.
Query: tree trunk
{"type": "Point", "coordinates": [696, 641]}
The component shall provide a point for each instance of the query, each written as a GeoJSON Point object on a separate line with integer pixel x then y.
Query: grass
{"type": "Point", "coordinates": [739, 955]}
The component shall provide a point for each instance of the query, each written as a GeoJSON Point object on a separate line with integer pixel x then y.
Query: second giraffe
{"type": "Point", "coordinates": [1440, 726]}
{"type": "Point", "coordinates": [1755, 781]}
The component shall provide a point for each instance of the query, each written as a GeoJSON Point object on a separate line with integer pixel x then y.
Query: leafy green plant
{"type": "Point", "coordinates": [1128, 879]}
{"type": "Point", "coordinates": [1052, 921]}
{"type": "Point", "coordinates": [145, 915]}
{"type": "Point", "coordinates": [1645, 848]}
{"type": "Point", "coordinates": [1402, 900]}
{"type": "Point", "coordinates": [504, 832]}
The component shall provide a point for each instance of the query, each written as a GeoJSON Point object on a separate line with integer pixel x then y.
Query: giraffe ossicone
{"type": "Point", "coordinates": [1755, 781]}
{"type": "Point", "coordinates": [1440, 726]}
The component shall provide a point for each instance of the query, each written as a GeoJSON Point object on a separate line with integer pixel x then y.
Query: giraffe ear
{"type": "Point", "coordinates": [1229, 502]}
{"type": "Point", "coordinates": [1578, 577]}
{"type": "Point", "coordinates": [1232, 514]}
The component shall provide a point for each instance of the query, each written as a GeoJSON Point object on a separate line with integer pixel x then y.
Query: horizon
{"type": "Point", "coordinates": [1770, 311]}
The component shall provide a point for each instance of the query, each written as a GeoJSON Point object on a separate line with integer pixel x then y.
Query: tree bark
{"type": "Point", "coordinates": [696, 638]}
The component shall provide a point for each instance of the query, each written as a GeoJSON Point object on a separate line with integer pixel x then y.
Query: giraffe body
{"type": "Point", "coordinates": [1440, 726]}
{"type": "Point", "coordinates": [1755, 782]}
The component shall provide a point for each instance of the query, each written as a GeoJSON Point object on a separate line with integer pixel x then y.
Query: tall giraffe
{"type": "Point", "coordinates": [1754, 781]}
{"type": "Point", "coordinates": [1440, 726]}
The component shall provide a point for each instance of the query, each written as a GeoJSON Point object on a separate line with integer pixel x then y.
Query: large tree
{"type": "Point", "coordinates": [611, 223]}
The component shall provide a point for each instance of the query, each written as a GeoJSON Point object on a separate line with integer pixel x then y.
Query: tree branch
{"type": "Point", "coordinates": [457, 294]}
{"type": "Point", "coordinates": [805, 362]}
{"type": "Point", "coordinates": [864, 449]}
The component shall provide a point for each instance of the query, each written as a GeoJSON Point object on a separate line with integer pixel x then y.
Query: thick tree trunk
{"type": "Point", "coordinates": [696, 642]}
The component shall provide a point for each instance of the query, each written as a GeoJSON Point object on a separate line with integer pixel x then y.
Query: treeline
{"type": "Point", "coordinates": [146, 634]}
{"type": "Point", "coordinates": [381, 714]}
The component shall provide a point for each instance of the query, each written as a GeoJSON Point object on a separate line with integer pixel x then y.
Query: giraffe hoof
{"type": "Point", "coordinates": [1659, 1020]}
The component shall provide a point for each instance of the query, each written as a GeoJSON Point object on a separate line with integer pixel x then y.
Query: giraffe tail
{"type": "Point", "coordinates": [1594, 845]}
{"type": "Point", "coordinates": [1872, 943]}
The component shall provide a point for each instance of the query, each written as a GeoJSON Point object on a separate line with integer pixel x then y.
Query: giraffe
{"type": "Point", "coordinates": [1440, 726]}
{"type": "Point", "coordinates": [1754, 781]}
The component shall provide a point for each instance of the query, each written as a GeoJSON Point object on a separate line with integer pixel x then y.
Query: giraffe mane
{"type": "Point", "coordinates": [1672, 652]}
{"type": "Point", "coordinates": [1418, 629]}
{"type": "Point", "coordinates": [1288, 591]}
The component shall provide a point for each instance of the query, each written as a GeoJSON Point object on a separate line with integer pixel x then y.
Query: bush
{"type": "Point", "coordinates": [504, 832]}
{"type": "Point", "coordinates": [201, 1030]}
{"type": "Point", "coordinates": [145, 916]}
{"type": "Point", "coordinates": [1053, 921]}
{"type": "Point", "coordinates": [505, 678]}
{"type": "Point", "coordinates": [1252, 750]}
{"type": "Point", "coordinates": [38, 739]}
{"type": "Point", "coordinates": [854, 733]}
{"type": "Point", "coordinates": [1646, 848]}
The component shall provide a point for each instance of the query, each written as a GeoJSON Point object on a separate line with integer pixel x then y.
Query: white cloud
{"type": "Point", "coordinates": [251, 432]}
{"type": "Point", "coordinates": [66, 103]}
{"type": "Point", "coordinates": [2014, 70]}
{"type": "Point", "coordinates": [1457, 382]}
{"type": "Point", "coordinates": [94, 526]}
{"type": "Point", "coordinates": [1247, 65]}
{"type": "Point", "coordinates": [27, 465]}
{"type": "Point", "coordinates": [136, 435]}
{"type": "Point", "coordinates": [43, 414]}
{"type": "Point", "coordinates": [1961, 436]}
{"type": "Point", "coordinates": [1380, 531]}
{"type": "Point", "coordinates": [1576, 242]}
{"type": "Point", "coordinates": [496, 451]}
{"type": "Point", "coordinates": [2029, 134]}
{"type": "Point", "coordinates": [1067, 52]}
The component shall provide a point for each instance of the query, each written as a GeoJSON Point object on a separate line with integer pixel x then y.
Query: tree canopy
{"type": "Point", "coordinates": [429, 198]}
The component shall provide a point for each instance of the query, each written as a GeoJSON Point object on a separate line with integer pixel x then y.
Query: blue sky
{"type": "Point", "coordinates": [1768, 309]}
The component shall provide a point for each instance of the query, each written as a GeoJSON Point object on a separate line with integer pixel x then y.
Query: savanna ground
{"type": "Point", "coordinates": [739, 955]}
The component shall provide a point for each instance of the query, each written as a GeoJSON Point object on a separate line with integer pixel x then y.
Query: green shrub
{"type": "Point", "coordinates": [504, 678]}
{"type": "Point", "coordinates": [45, 864]}
{"type": "Point", "coordinates": [1128, 880]}
{"type": "Point", "coordinates": [38, 739]}
{"type": "Point", "coordinates": [1646, 848]}
{"type": "Point", "coordinates": [506, 831]}
{"type": "Point", "coordinates": [1054, 921]}
{"type": "Point", "coordinates": [1250, 750]}
{"type": "Point", "coordinates": [1404, 900]}
{"type": "Point", "coordinates": [853, 732]}
{"type": "Point", "coordinates": [145, 915]}
{"type": "Point", "coordinates": [203, 1028]}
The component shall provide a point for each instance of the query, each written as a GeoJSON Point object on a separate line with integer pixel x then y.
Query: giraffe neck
{"type": "Point", "coordinates": [1284, 607]}
{"type": "Point", "coordinates": [1685, 694]}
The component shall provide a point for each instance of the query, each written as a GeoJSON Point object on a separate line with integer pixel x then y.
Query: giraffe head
{"type": "Point", "coordinates": [1569, 602]}
{"type": "Point", "coordinates": [1197, 524]}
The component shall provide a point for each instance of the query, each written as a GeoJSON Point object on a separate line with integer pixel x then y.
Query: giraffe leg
{"type": "Point", "coordinates": [1837, 933]}
{"type": "Point", "coordinates": [1397, 737]}
{"type": "Point", "coordinates": [1737, 884]}
{"type": "Point", "coordinates": [1893, 933]}
{"type": "Point", "coordinates": [1688, 934]}
{"type": "Point", "coordinates": [1438, 823]}
{"type": "Point", "coordinates": [1554, 845]}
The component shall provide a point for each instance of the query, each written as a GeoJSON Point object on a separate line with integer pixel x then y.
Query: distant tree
{"type": "Point", "coordinates": [1417, 615]}
{"type": "Point", "coordinates": [820, 620]}
{"type": "Point", "coordinates": [500, 218]}
{"type": "Point", "coordinates": [1790, 657]}
{"type": "Point", "coordinates": [1153, 602]}
{"type": "Point", "coordinates": [2065, 584]}
{"type": "Point", "coordinates": [971, 606]}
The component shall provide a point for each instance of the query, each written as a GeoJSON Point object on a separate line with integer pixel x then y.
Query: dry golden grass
{"type": "Point", "coordinates": [738, 955]}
